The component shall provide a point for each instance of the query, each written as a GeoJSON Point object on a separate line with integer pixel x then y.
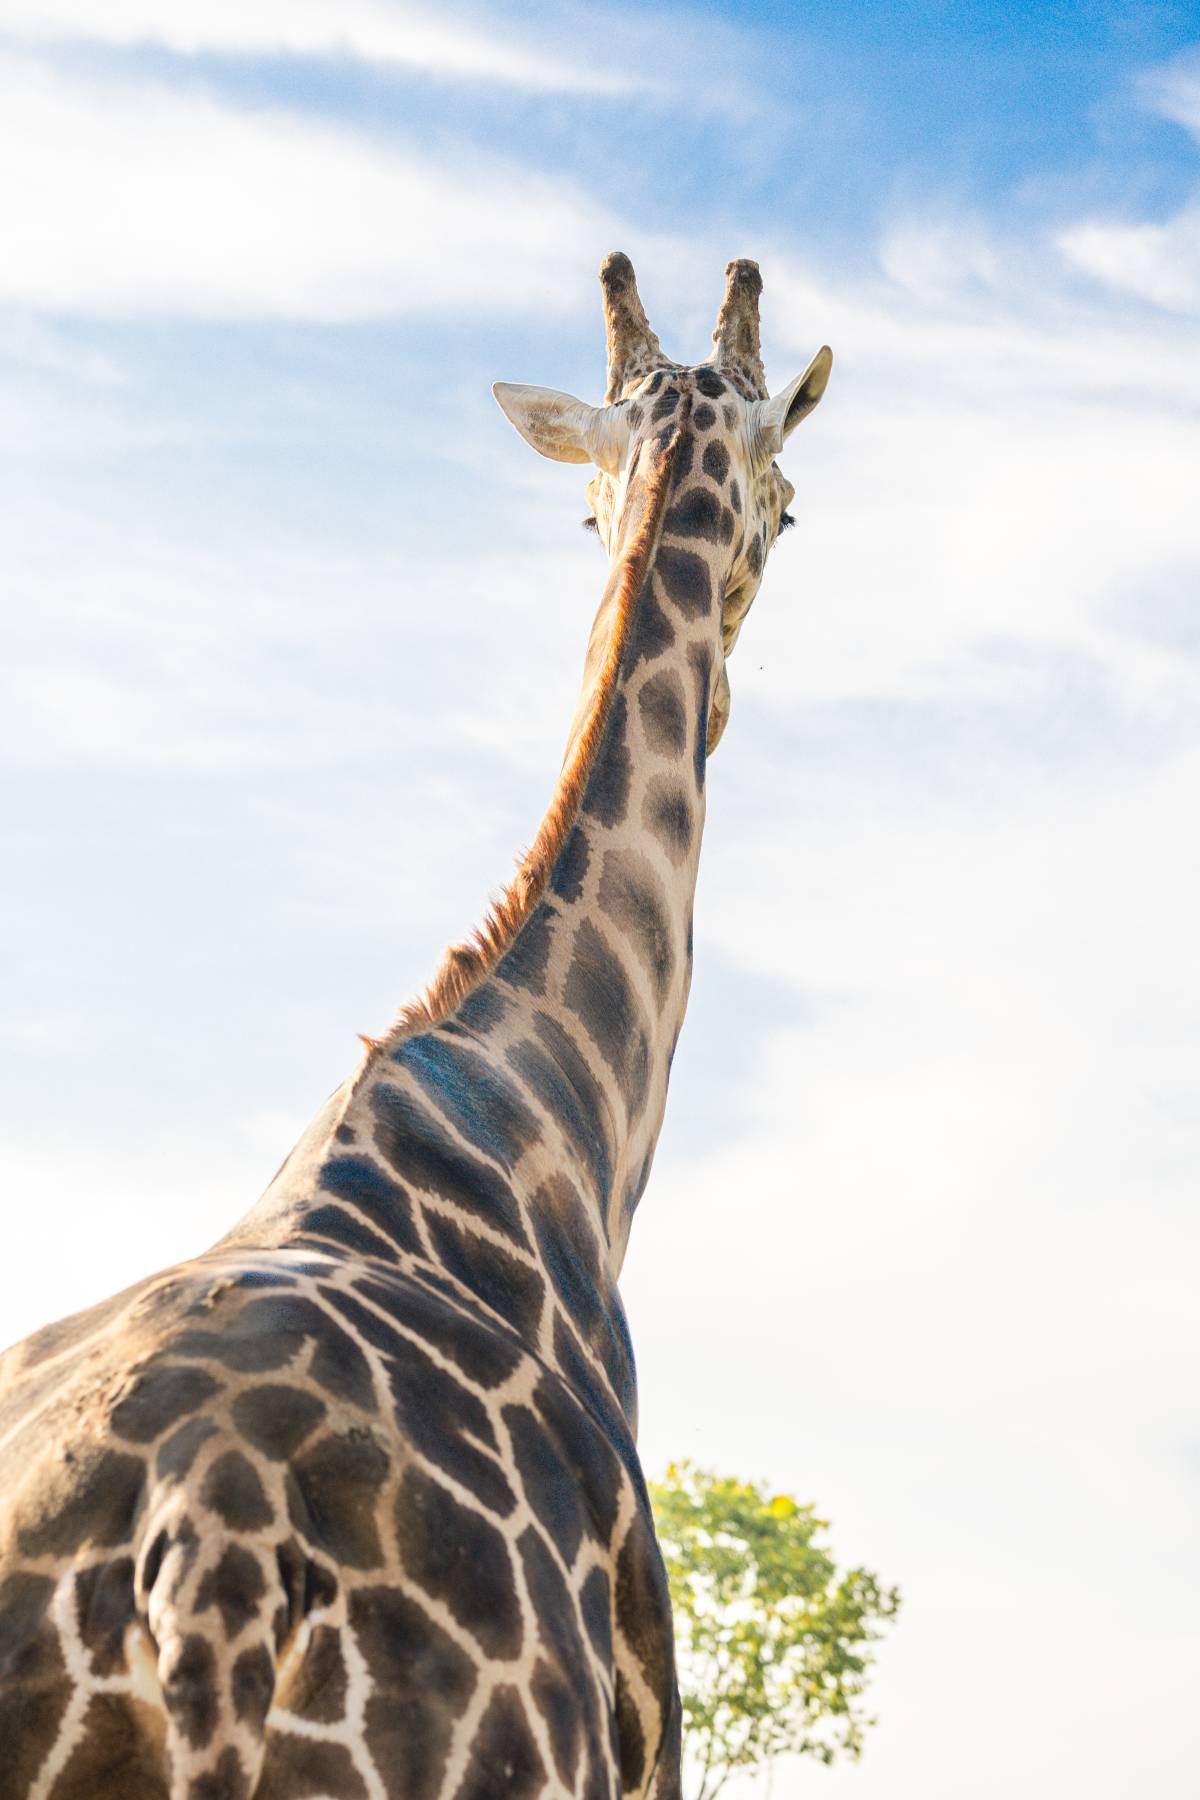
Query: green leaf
{"type": "Point", "coordinates": [773, 1643]}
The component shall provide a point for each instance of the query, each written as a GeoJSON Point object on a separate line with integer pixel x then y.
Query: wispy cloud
{"type": "Point", "coordinates": [289, 650]}
{"type": "Point", "coordinates": [1174, 91]}
{"type": "Point", "coordinates": [949, 1211]}
{"type": "Point", "coordinates": [30, 344]}
{"type": "Point", "coordinates": [119, 650]}
{"type": "Point", "coordinates": [1158, 261]}
{"type": "Point", "coordinates": [186, 1165]}
{"type": "Point", "coordinates": [132, 197]}
{"type": "Point", "coordinates": [1024, 458]}
{"type": "Point", "coordinates": [375, 31]}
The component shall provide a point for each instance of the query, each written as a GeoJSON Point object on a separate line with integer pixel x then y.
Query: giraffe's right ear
{"type": "Point", "coordinates": [561, 427]}
{"type": "Point", "coordinates": [772, 422]}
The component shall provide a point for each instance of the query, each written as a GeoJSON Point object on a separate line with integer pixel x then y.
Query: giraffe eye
{"type": "Point", "coordinates": [786, 522]}
{"type": "Point", "coordinates": [591, 523]}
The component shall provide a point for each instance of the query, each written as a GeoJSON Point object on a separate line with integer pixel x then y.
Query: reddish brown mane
{"type": "Point", "coordinates": [464, 965]}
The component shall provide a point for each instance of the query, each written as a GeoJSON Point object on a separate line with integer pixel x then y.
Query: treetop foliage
{"type": "Point", "coordinates": [774, 1645]}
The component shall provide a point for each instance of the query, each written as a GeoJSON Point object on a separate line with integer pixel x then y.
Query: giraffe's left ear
{"type": "Point", "coordinates": [561, 427]}
{"type": "Point", "coordinates": [773, 421]}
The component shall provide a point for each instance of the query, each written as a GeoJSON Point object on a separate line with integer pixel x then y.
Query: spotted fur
{"type": "Point", "coordinates": [350, 1506]}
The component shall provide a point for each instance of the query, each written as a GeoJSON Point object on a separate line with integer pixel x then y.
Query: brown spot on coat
{"type": "Point", "coordinates": [332, 1496]}
{"type": "Point", "coordinates": [276, 1419]}
{"type": "Point", "coordinates": [233, 1490]}
{"type": "Point", "coordinates": [504, 1756]}
{"type": "Point", "coordinates": [685, 580]}
{"type": "Point", "coordinates": [633, 897]}
{"type": "Point", "coordinates": [667, 812]}
{"type": "Point", "coordinates": [457, 1556]}
{"type": "Point", "coordinates": [421, 1683]}
{"type": "Point", "coordinates": [99, 1507]}
{"type": "Point", "coordinates": [161, 1398]}
{"type": "Point", "coordinates": [663, 708]}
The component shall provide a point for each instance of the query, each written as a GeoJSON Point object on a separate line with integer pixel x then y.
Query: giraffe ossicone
{"type": "Point", "coordinates": [349, 1507]}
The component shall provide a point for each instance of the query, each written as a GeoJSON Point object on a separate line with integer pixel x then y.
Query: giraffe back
{"type": "Point", "coordinates": [328, 1531]}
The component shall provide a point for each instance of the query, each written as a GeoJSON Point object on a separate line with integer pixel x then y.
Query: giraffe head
{"type": "Point", "coordinates": [734, 429]}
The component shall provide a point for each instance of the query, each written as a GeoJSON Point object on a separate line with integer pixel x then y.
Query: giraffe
{"type": "Point", "coordinates": [349, 1507]}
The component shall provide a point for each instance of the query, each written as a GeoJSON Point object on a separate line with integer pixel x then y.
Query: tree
{"type": "Point", "coordinates": [773, 1644]}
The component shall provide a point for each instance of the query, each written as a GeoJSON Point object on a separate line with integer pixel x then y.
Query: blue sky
{"type": "Point", "coordinates": [291, 629]}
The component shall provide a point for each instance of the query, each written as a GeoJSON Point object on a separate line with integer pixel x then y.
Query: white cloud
{"type": "Point", "coordinates": [119, 649]}
{"type": "Point", "coordinates": [134, 198]}
{"type": "Point", "coordinates": [931, 1278]}
{"type": "Point", "coordinates": [997, 487]}
{"type": "Point", "coordinates": [1174, 91]}
{"type": "Point", "coordinates": [1003, 331]}
{"type": "Point", "coordinates": [934, 258]}
{"type": "Point", "coordinates": [169, 1190]}
{"type": "Point", "coordinates": [994, 489]}
{"type": "Point", "coordinates": [29, 344]}
{"type": "Point", "coordinates": [375, 31]}
{"type": "Point", "coordinates": [42, 1032]}
{"type": "Point", "coordinates": [1156, 260]}
{"type": "Point", "coordinates": [1158, 263]}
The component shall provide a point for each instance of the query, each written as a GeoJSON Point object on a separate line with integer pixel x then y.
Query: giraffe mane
{"type": "Point", "coordinates": [466, 964]}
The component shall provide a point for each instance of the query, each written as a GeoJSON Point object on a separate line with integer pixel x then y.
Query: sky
{"type": "Point", "coordinates": [290, 634]}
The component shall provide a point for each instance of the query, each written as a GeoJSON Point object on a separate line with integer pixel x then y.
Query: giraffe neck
{"type": "Point", "coordinates": [503, 1133]}
{"type": "Point", "coordinates": [593, 990]}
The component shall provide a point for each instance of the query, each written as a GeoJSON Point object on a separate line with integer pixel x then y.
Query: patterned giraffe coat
{"type": "Point", "coordinates": [349, 1507]}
